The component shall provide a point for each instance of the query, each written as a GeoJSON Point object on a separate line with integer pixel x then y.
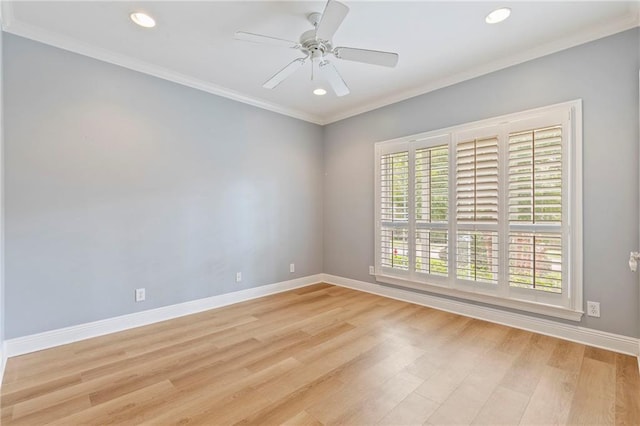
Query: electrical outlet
{"type": "Point", "coordinates": [372, 270]}
{"type": "Point", "coordinates": [141, 294]}
{"type": "Point", "coordinates": [593, 309]}
{"type": "Point", "coordinates": [238, 277]}
{"type": "Point", "coordinates": [292, 267]}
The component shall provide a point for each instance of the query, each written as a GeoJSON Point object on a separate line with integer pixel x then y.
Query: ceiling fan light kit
{"type": "Point", "coordinates": [316, 45]}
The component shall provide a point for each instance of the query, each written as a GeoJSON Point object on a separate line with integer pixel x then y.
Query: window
{"type": "Point", "coordinates": [394, 210]}
{"type": "Point", "coordinates": [432, 209]}
{"type": "Point", "coordinates": [488, 211]}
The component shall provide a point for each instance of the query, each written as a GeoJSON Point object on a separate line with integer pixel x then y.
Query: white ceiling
{"type": "Point", "coordinates": [439, 43]}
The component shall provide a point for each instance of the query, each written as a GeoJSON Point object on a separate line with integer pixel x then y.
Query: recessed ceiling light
{"type": "Point", "coordinates": [319, 92]}
{"type": "Point", "coordinates": [498, 15]}
{"type": "Point", "coordinates": [143, 19]}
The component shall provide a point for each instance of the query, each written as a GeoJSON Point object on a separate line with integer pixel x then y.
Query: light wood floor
{"type": "Point", "coordinates": [322, 355]}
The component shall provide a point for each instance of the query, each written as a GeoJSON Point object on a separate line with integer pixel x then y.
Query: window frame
{"type": "Point", "coordinates": [566, 305]}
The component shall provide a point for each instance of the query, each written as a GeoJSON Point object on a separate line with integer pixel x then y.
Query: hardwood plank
{"type": "Point", "coordinates": [464, 403]}
{"type": "Point", "coordinates": [359, 382]}
{"type": "Point", "coordinates": [550, 402]}
{"type": "Point", "coordinates": [214, 398]}
{"type": "Point", "coordinates": [591, 407]}
{"type": "Point", "coordinates": [380, 401]}
{"type": "Point", "coordinates": [292, 404]}
{"type": "Point", "coordinates": [524, 374]}
{"type": "Point", "coordinates": [413, 410]}
{"type": "Point", "coordinates": [321, 355]}
{"type": "Point", "coordinates": [600, 355]}
{"type": "Point", "coordinates": [567, 356]}
{"type": "Point", "coordinates": [504, 407]}
{"type": "Point", "coordinates": [627, 395]}
{"type": "Point", "coordinates": [302, 419]}
{"type": "Point", "coordinates": [31, 391]}
{"type": "Point", "coordinates": [37, 415]}
{"type": "Point", "coordinates": [124, 408]}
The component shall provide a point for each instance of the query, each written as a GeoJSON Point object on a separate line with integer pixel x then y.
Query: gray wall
{"type": "Point", "coordinates": [604, 73]}
{"type": "Point", "coordinates": [117, 180]}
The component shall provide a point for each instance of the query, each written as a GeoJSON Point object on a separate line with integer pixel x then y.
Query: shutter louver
{"type": "Point", "coordinates": [489, 210]}
{"type": "Point", "coordinates": [432, 210]}
{"type": "Point", "coordinates": [535, 176]}
{"type": "Point", "coordinates": [394, 210]}
{"type": "Point", "coordinates": [535, 261]}
{"type": "Point", "coordinates": [394, 187]}
{"type": "Point", "coordinates": [432, 252]}
{"type": "Point", "coordinates": [535, 199]}
{"type": "Point", "coordinates": [477, 181]}
{"type": "Point", "coordinates": [432, 184]}
{"type": "Point", "coordinates": [477, 256]}
{"type": "Point", "coordinates": [394, 246]}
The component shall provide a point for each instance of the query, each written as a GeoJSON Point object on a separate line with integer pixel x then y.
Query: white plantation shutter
{"type": "Point", "coordinates": [477, 256]}
{"type": "Point", "coordinates": [394, 210]}
{"type": "Point", "coordinates": [535, 208]}
{"type": "Point", "coordinates": [489, 211]}
{"type": "Point", "coordinates": [535, 176]}
{"type": "Point", "coordinates": [477, 200]}
{"type": "Point", "coordinates": [477, 181]}
{"type": "Point", "coordinates": [432, 210]}
{"type": "Point", "coordinates": [535, 261]}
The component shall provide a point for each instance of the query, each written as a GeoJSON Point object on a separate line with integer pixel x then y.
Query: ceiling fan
{"type": "Point", "coordinates": [317, 45]}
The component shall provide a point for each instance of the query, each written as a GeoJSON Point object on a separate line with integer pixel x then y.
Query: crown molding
{"type": "Point", "coordinates": [11, 25]}
{"type": "Point", "coordinates": [19, 28]}
{"type": "Point", "coordinates": [627, 22]}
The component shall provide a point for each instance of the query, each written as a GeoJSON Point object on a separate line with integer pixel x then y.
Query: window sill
{"type": "Point", "coordinates": [521, 305]}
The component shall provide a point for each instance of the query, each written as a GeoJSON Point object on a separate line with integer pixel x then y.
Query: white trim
{"type": "Point", "coordinates": [522, 305]}
{"type": "Point", "coordinates": [488, 122]}
{"type": "Point", "coordinates": [3, 351]}
{"type": "Point", "coordinates": [14, 26]}
{"type": "Point", "coordinates": [66, 43]}
{"type": "Point", "coordinates": [567, 305]}
{"type": "Point", "coordinates": [625, 23]}
{"type": "Point", "coordinates": [63, 336]}
{"type": "Point", "coordinates": [574, 333]}
{"type": "Point", "coordinates": [3, 360]}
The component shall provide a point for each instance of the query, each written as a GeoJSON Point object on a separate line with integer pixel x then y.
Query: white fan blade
{"type": "Point", "coordinates": [330, 73]}
{"type": "Point", "coordinates": [285, 72]}
{"type": "Point", "coordinates": [258, 38]}
{"type": "Point", "coordinates": [333, 15]}
{"type": "Point", "coordinates": [376, 57]}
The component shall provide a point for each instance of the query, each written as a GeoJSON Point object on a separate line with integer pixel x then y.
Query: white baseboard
{"type": "Point", "coordinates": [574, 333]}
{"type": "Point", "coordinates": [3, 360]}
{"type": "Point", "coordinates": [49, 339]}
{"type": "Point", "coordinates": [62, 336]}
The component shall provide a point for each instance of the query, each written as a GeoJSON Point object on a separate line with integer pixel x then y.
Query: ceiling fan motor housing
{"type": "Point", "coordinates": [312, 46]}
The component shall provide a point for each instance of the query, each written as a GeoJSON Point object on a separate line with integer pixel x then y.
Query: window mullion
{"type": "Point", "coordinates": [520, 225]}
{"type": "Point", "coordinates": [412, 212]}
{"type": "Point", "coordinates": [451, 242]}
{"type": "Point", "coordinates": [503, 212]}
